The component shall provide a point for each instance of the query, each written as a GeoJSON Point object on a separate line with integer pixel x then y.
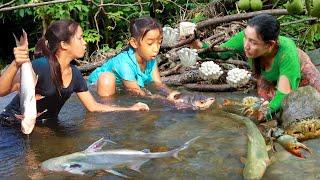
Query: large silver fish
{"type": "Point", "coordinates": [27, 93]}
{"type": "Point", "coordinates": [94, 159]}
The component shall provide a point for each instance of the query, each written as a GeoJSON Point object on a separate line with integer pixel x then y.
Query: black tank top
{"type": "Point", "coordinates": [52, 101]}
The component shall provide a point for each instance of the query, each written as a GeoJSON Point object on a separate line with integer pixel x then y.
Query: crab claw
{"type": "Point", "coordinates": [292, 145]}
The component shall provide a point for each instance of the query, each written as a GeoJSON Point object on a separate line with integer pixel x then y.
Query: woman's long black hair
{"type": "Point", "coordinates": [62, 30]}
{"type": "Point", "coordinates": [268, 28]}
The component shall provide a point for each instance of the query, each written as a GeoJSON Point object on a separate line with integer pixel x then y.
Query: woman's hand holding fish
{"type": "Point", "coordinates": [21, 55]}
{"type": "Point", "coordinates": [21, 52]}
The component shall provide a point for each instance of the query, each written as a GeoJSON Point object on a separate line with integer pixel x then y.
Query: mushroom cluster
{"type": "Point", "coordinates": [210, 70]}
{"type": "Point", "coordinates": [188, 57]}
{"type": "Point", "coordinates": [238, 77]}
{"type": "Point", "coordinates": [170, 36]}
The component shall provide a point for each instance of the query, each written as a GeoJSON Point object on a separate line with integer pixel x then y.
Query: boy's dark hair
{"type": "Point", "coordinates": [141, 26]}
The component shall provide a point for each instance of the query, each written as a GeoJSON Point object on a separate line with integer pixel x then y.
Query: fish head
{"type": "Point", "coordinates": [27, 124]}
{"type": "Point", "coordinates": [69, 163]}
{"type": "Point", "coordinates": [201, 102]}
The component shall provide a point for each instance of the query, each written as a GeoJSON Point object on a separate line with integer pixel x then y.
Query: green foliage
{"type": "Point", "coordinates": [15, 14]}
{"type": "Point", "coordinates": [313, 34]}
{"type": "Point", "coordinates": [72, 10]}
{"type": "Point", "coordinates": [91, 35]}
{"type": "Point", "coordinates": [198, 17]}
{"type": "Point", "coordinates": [305, 35]}
{"type": "Point", "coordinates": [106, 48]}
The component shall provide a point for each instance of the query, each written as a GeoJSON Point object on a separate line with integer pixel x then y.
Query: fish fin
{"type": "Point", "coordinates": [74, 171]}
{"type": "Point", "coordinates": [40, 113]}
{"type": "Point", "coordinates": [146, 150]}
{"type": "Point", "coordinates": [117, 173]}
{"type": "Point", "coordinates": [97, 146]}
{"type": "Point", "coordinates": [279, 156]}
{"type": "Point", "coordinates": [19, 116]}
{"type": "Point", "coordinates": [269, 147]}
{"type": "Point", "coordinates": [183, 147]}
{"type": "Point", "coordinates": [39, 97]}
{"type": "Point", "coordinates": [175, 155]}
{"type": "Point", "coordinates": [16, 40]}
{"type": "Point", "coordinates": [136, 166]}
{"type": "Point", "coordinates": [243, 160]}
{"type": "Point", "coordinates": [35, 77]}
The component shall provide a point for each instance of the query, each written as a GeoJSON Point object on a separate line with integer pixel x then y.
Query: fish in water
{"type": "Point", "coordinates": [257, 155]}
{"type": "Point", "coordinates": [94, 159]}
{"type": "Point", "coordinates": [194, 101]}
{"type": "Point", "coordinates": [27, 92]}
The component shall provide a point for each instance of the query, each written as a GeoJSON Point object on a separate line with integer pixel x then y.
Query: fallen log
{"type": "Point", "coordinates": [229, 18]}
{"type": "Point", "coordinates": [209, 87]}
{"type": "Point", "coordinates": [191, 76]}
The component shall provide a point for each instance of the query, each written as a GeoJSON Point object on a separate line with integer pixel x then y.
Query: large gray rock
{"type": "Point", "coordinates": [301, 104]}
{"type": "Point", "coordinates": [315, 57]}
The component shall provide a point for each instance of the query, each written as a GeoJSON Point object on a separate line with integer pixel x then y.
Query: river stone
{"type": "Point", "coordinates": [300, 104]}
{"type": "Point", "coordinates": [315, 57]}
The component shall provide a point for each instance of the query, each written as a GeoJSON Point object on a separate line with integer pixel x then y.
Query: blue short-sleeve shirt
{"type": "Point", "coordinates": [125, 67]}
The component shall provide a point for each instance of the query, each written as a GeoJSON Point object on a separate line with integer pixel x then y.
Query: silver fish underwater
{"type": "Point", "coordinates": [94, 159]}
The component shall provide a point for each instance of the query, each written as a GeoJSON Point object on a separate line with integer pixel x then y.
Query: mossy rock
{"type": "Point", "coordinates": [256, 5]}
{"type": "Point", "coordinates": [295, 7]}
{"type": "Point", "coordinates": [244, 4]}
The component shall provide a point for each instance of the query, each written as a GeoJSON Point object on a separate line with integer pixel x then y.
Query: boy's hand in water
{"type": "Point", "coordinates": [140, 107]}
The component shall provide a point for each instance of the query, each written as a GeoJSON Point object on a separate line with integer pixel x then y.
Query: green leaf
{"type": "Point", "coordinates": [21, 12]}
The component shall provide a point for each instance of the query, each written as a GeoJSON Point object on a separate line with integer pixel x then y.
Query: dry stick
{"type": "Point", "coordinates": [171, 71]}
{"type": "Point", "coordinates": [229, 18]}
{"type": "Point", "coordinates": [240, 16]}
{"type": "Point", "coordinates": [299, 21]}
{"type": "Point", "coordinates": [7, 4]}
{"type": "Point", "coordinates": [229, 61]}
{"type": "Point", "coordinates": [209, 87]}
{"type": "Point", "coordinates": [33, 5]}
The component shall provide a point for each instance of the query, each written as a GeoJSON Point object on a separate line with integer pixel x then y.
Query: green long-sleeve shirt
{"type": "Point", "coordinates": [286, 63]}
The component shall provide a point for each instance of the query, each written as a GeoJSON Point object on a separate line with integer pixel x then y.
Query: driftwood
{"type": "Point", "coordinates": [191, 76]}
{"type": "Point", "coordinates": [209, 87]}
{"type": "Point", "coordinates": [229, 61]}
{"type": "Point", "coordinates": [22, 6]}
{"type": "Point", "coordinates": [97, 59]}
{"type": "Point", "coordinates": [239, 16]}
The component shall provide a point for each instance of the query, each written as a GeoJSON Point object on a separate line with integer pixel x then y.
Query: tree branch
{"type": "Point", "coordinates": [33, 5]}
{"type": "Point", "coordinates": [240, 16]}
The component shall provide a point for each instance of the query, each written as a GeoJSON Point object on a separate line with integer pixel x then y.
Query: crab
{"type": "Point", "coordinates": [299, 119]}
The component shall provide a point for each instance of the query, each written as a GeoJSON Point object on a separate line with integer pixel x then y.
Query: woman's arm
{"type": "Point", "coordinates": [235, 43]}
{"type": "Point", "coordinates": [10, 80]}
{"type": "Point", "coordinates": [93, 106]}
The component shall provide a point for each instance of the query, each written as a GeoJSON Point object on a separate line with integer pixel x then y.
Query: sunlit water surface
{"type": "Point", "coordinates": [215, 155]}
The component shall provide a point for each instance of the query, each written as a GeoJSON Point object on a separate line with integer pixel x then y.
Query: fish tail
{"type": "Point", "coordinates": [175, 152]}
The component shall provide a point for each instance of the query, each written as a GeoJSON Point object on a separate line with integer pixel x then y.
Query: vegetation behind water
{"type": "Point", "coordinates": [105, 23]}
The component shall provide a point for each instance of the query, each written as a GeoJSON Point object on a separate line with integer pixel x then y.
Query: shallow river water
{"type": "Point", "coordinates": [215, 155]}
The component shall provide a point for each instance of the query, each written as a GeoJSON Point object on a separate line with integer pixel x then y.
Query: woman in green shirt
{"type": "Point", "coordinates": [276, 62]}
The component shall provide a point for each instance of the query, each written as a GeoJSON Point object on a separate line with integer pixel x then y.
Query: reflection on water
{"type": "Point", "coordinates": [216, 155]}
